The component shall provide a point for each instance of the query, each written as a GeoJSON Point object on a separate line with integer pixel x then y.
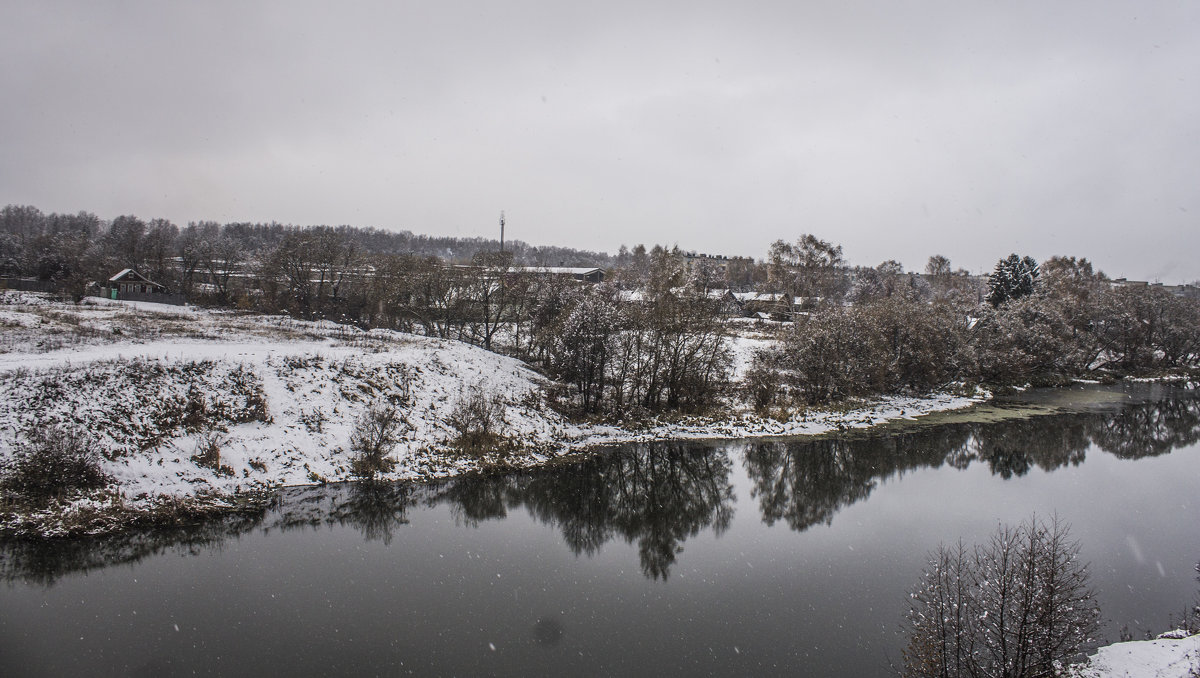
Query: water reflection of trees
{"type": "Point", "coordinates": [654, 495]}
{"type": "Point", "coordinates": [807, 482]}
{"type": "Point", "coordinates": [375, 509]}
{"type": "Point", "coordinates": [43, 563]}
{"type": "Point", "coordinates": [1013, 448]}
{"type": "Point", "coordinates": [1148, 429]}
{"type": "Point", "coordinates": [658, 495]}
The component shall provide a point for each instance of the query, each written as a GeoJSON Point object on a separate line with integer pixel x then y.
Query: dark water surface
{"type": "Point", "coordinates": [743, 558]}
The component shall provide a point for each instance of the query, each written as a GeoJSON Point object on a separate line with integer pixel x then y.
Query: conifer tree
{"type": "Point", "coordinates": [1013, 278]}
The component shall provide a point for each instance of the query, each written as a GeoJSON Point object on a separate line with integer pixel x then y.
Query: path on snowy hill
{"type": "Point", "coordinates": [169, 350]}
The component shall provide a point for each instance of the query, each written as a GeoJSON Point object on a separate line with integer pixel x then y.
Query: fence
{"type": "Point", "coordinates": [27, 285]}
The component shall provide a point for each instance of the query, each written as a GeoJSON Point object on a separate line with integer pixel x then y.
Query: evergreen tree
{"type": "Point", "coordinates": [1013, 278]}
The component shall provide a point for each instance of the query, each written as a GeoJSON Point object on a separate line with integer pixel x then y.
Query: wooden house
{"type": "Point", "coordinates": [129, 283]}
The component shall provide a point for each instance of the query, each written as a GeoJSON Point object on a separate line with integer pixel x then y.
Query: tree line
{"type": "Point", "coordinates": [656, 335]}
{"type": "Point", "coordinates": [202, 258]}
{"type": "Point", "coordinates": [1029, 323]}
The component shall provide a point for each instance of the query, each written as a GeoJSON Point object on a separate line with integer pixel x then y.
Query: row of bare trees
{"type": "Point", "coordinates": [223, 263]}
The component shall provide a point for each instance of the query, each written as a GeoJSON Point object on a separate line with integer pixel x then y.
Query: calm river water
{"type": "Point", "coordinates": [670, 559]}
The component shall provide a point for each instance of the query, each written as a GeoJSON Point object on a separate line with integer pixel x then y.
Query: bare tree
{"type": "Point", "coordinates": [938, 266]}
{"type": "Point", "coordinates": [488, 294]}
{"type": "Point", "coordinates": [375, 435]}
{"type": "Point", "coordinates": [1014, 607]}
{"type": "Point", "coordinates": [810, 267]}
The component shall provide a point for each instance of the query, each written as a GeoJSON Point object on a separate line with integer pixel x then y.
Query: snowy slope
{"type": "Point", "coordinates": [314, 392]}
{"type": "Point", "coordinates": [1166, 657]}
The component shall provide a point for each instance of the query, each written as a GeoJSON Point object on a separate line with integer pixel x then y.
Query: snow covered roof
{"type": "Point", "coordinates": [130, 275]}
{"type": "Point", "coordinates": [555, 270]}
{"type": "Point", "coordinates": [757, 296]}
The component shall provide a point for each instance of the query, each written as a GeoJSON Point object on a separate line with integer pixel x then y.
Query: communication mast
{"type": "Point", "coordinates": [501, 230]}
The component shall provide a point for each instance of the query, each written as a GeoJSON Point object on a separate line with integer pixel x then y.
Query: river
{"type": "Point", "coordinates": [664, 559]}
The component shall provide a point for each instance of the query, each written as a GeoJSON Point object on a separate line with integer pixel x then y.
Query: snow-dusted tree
{"type": "Point", "coordinates": [1147, 328]}
{"type": "Point", "coordinates": [221, 257]}
{"type": "Point", "coordinates": [374, 436]}
{"type": "Point", "coordinates": [25, 222]}
{"type": "Point", "coordinates": [888, 345]}
{"type": "Point", "coordinates": [938, 266]}
{"type": "Point", "coordinates": [12, 254]}
{"type": "Point", "coordinates": [940, 640]}
{"type": "Point", "coordinates": [1013, 278]}
{"type": "Point", "coordinates": [1014, 607]}
{"type": "Point", "coordinates": [810, 267]}
{"type": "Point", "coordinates": [1029, 339]}
{"type": "Point", "coordinates": [158, 250]}
{"type": "Point", "coordinates": [584, 344]}
{"type": "Point", "coordinates": [885, 281]}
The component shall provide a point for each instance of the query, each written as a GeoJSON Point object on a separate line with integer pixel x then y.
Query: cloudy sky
{"type": "Point", "coordinates": [900, 130]}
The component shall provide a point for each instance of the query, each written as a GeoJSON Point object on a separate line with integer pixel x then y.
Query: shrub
{"type": "Point", "coordinates": [763, 382]}
{"type": "Point", "coordinates": [476, 416]}
{"type": "Point", "coordinates": [375, 435]}
{"type": "Point", "coordinates": [208, 452]}
{"type": "Point", "coordinates": [195, 410]}
{"type": "Point", "coordinates": [1015, 607]}
{"type": "Point", "coordinates": [889, 345]}
{"type": "Point", "coordinates": [244, 382]}
{"type": "Point", "coordinates": [51, 462]}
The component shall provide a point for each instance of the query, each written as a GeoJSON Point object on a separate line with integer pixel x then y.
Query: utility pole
{"type": "Point", "coordinates": [501, 230]}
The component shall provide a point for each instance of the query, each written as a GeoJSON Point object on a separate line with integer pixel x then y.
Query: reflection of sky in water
{"type": "Point", "coordinates": [649, 561]}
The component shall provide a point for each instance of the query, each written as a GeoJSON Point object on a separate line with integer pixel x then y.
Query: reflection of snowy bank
{"type": "Point", "coordinates": [1170, 656]}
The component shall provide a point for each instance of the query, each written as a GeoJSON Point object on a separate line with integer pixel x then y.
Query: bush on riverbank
{"type": "Point", "coordinates": [667, 351]}
{"type": "Point", "coordinates": [374, 437]}
{"type": "Point", "coordinates": [476, 417]}
{"type": "Point", "coordinates": [52, 462]}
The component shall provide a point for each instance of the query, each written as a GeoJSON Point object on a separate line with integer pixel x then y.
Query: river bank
{"type": "Point", "coordinates": [192, 412]}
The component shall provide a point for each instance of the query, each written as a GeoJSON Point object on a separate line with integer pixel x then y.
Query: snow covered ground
{"type": "Point", "coordinates": [1171, 655]}
{"type": "Point", "coordinates": [155, 386]}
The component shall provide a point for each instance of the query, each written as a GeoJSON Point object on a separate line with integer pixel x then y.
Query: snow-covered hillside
{"type": "Point", "coordinates": [1171, 655]}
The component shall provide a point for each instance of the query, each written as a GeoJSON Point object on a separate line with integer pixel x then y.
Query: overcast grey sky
{"type": "Point", "coordinates": [898, 129]}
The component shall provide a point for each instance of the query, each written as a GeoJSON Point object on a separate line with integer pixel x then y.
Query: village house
{"type": "Point", "coordinates": [1184, 290]}
{"type": "Point", "coordinates": [717, 262]}
{"type": "Point", "coordinates": [130, 285]}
